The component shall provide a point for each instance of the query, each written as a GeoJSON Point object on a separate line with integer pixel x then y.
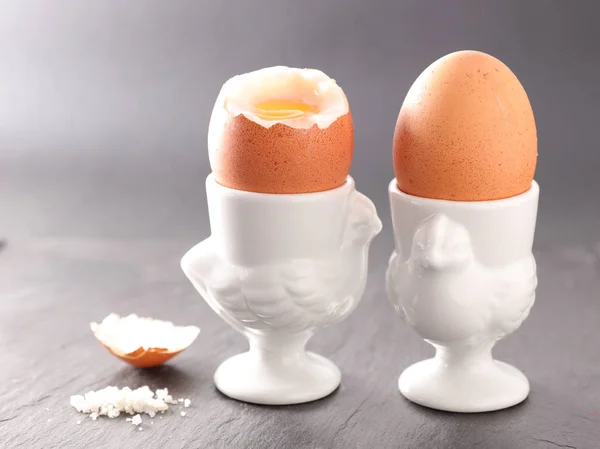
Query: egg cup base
{"type": "Point", "coordinates": [251, 377]}
{"type": "Point", "coordinates": [487, 387]}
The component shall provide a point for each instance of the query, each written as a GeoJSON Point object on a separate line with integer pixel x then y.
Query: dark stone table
{"type": "Point", "coordinates": [52, 287]}
{"type": "Point", "coordinates": [103, 117]}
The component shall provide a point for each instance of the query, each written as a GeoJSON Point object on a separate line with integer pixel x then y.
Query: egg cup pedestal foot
{"type": "Point", "coordinates": [276, 268]}
{"type": "Point", "coordinates": [463, 276]}
{"type": "Point", "coordinates": [277, 375]}
{"type": "Point", "coordinates": [464, 380]}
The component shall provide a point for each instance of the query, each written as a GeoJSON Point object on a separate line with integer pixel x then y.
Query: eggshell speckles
{"type": "Point", "coordinates": [282, 159]}
{"type": "Point", "coordinates": [283, 152]}
{"type": "Point", "coordinates": [466, 132]}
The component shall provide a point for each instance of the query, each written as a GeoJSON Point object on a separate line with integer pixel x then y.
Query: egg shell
{"type": "Point", "coordinates": [466, 132]}
{"type": "Point", "coordinates": [282, 159]}
{"type": "Point", "coordinates": [145, 358]}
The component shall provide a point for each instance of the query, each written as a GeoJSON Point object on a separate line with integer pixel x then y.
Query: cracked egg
{"type": "Point", "coordinates": [143, 342]}
{"type": "Point", "coordinates": [281, 130]}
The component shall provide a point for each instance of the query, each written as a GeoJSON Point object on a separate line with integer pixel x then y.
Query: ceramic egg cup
{"type": "Point", "coordinates": [463, 276]}
{"type": "Point", "coordinates": [277, 268]}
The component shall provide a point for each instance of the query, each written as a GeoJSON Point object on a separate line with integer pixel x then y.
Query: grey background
{"type": "Point", "coordinates": [104, 109]}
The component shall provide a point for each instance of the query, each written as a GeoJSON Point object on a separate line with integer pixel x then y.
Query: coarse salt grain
{"type": "Point", "coordinates": [183, 413]}
{"type": "Point", "coordinates": [162, 393]}
{"type": "Point", "coordinates": [169, 400]}
{"type": "Point", "coordinates": [136, 420]}
{"type": "Point", "coordinates": [187, 403]}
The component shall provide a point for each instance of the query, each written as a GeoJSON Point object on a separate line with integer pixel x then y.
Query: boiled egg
{"type": "Point", "coordinates": [281, 130]}
{"type": "Point", "coordinates": [465, 132]}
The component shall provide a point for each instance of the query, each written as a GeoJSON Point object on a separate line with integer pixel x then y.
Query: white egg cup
{"type": "Point", "coordinates": [463, 276]}
{"type": "Point", "coordinates": [276, 268]}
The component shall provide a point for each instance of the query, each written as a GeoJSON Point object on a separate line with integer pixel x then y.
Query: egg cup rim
{"type": "Point", "coordinates": [529, 195]}
{"type": "Point", "coordinates": [348, 185]}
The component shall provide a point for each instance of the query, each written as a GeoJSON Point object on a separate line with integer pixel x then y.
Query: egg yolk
{"type": "Point", "coordinates": [284, 109]}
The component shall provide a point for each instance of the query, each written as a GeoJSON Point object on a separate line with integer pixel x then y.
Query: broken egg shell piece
{"type": "Point", "coordinates": [166, 342]}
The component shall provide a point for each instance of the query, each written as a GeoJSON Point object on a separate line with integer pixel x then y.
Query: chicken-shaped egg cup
{"type": "Point", "coordinates": [464, 207]}
{"type": "Point", "coordinates": [290, 234]}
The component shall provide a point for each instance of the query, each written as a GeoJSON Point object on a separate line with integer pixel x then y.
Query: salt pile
{"type": "Point", "coordinates": [112, 401]}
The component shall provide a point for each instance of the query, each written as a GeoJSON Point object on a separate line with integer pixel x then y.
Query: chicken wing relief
{"type": "Point", "coordinates": [296, 295]}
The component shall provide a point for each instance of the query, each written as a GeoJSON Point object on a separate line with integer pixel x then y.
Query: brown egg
{"type": "Point", "coordinates": [281, 130]}
{"type": "Point", "coordinates": [466, 132]}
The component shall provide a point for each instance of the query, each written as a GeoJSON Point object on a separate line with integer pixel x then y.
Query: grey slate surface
{"type": "Point", "coordinates": [52, 288]}
{"type": "Point", "coordinates": [103, 116]}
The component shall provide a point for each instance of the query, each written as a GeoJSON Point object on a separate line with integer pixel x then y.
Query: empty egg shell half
{"type": "Point", "coordinates": [281, 130]}
{"type": "Point", "coordinates": [466, 132]}
{"type": "Point", "coordinates": [143, 342]}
